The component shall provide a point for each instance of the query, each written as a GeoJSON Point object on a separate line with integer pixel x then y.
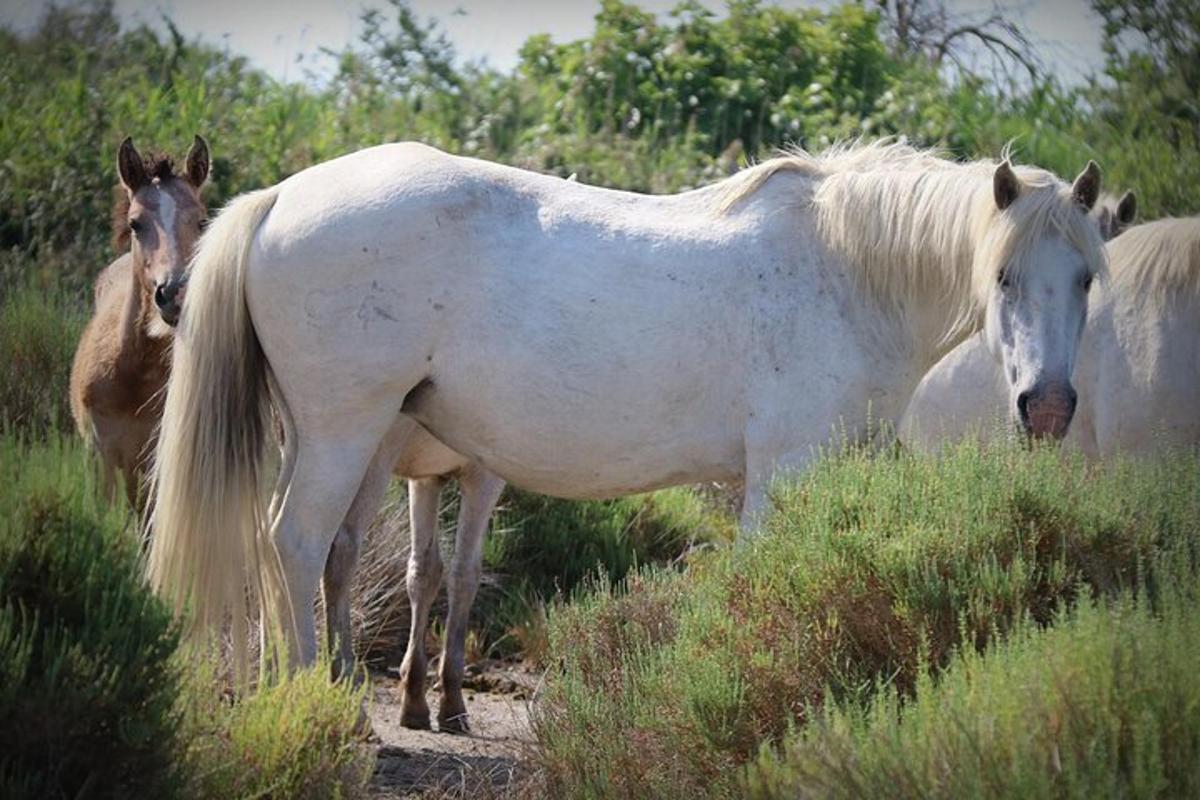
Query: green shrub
{"type": "Point", "coordinates": [544, 548]}
{"type": "Point", "coordinates": [552, 545]}
{"type": "Point", "coordinates": [295, 737]}
{"type": "Point", "coordinates": [39, 331]}
{"type": "Point", "coordinates": [87, 682]}
{"type": "Point", "coordinates": [1102, 705]}
{"type": "Point", "coordinates": [871, 569]}
{"type": "Point", "coordinates": [96, 698]}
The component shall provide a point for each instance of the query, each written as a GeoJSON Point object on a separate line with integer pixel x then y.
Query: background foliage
{"type": "Point", "coordinates": [645, 102]}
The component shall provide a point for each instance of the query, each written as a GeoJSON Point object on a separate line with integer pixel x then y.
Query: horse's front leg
{"type": "Point", "coordinates": [480, 493]}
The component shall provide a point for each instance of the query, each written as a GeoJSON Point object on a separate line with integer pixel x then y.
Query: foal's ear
{"type": "Point", "coordinates": [1127, 208]}
{"type": "Point", "coordinates": [1086, 188]}
{"type": "Point", "coordinates": [197, 162]}
{"type": "Point", "coordinates": [130, 167]}
{"type": "Point", "coordinates": [1005, 185]}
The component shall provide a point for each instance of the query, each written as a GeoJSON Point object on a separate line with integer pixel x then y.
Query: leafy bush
{"type": "Point", "coordinates": [95, 698]}
{"type": "Point", "coordinates": [38, 334]}
{"type": "Point", "coordinates": [87, 680]}
{"type": "Point", "coordinates": [544, 548]}
{"type": "Point", "coordinates": [295, 737]}
{"type": "Point", "coordinates": [870, 570]}
{"type": "Point", "coordinates": [1101, 705]}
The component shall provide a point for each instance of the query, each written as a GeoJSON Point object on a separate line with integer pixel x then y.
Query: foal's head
{"type": "Point", "coordinates": [160, 215]}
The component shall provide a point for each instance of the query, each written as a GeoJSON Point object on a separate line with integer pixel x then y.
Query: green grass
{"type": "Point", "coordinates": [97, 699]}
{"type": "Point", "coordinates": [88, 686]}
{"type": "Point", "coordinates": [295, 737]}
{"type": "Point", "coordinates": [39, 330]}
{"type": "Point", "coordinates": [872, 570]}
{"type": "Point", "coordinates": [1104, 704]}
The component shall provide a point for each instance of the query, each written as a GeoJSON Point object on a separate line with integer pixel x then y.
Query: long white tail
{"type": "Point", "coordinates": [205, 554]}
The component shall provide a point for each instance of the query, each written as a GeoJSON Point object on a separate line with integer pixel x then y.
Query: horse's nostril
{"type": "Point", "coordinates": [164, 294]}
{"type": "Point", "coordinates": [1023, 406]}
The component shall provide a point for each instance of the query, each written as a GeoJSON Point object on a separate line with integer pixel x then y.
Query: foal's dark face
{"type": "Point", "coordinates": [166, 217]}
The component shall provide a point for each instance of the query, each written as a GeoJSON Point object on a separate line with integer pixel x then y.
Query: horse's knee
{"type": "Point", "coordinates": [424, 573]}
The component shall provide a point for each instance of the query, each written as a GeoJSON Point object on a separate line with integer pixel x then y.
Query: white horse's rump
{"type": "Point", "coordinates": [584, 342]}
{"type": "Point", "coordinates": [1139, 361]}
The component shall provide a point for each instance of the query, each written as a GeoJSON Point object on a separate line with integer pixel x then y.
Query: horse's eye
{"type": "Point", "coordinates": [1087, 282]}
{"type": "Point", "coordinates": [1003, 280]}
{"type": "Point", "coordinates": [202, 224]}
{"type": "Point", "coordinates": [135, 225]}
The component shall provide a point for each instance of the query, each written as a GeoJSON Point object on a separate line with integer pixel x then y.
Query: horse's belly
{"type": "Point", "coordinates": [581, 443]}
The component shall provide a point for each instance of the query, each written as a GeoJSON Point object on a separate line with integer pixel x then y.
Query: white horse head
{"type": "Point", "coordinates": [1035, 287]}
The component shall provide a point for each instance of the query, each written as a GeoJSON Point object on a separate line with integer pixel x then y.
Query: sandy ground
{"type": "Point", "coordinates": [431, 764]}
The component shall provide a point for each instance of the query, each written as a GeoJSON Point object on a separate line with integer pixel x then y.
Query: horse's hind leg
{"type": "Point", "coordinates": [424, 577]}
{"type": "Point", "coordinates": [480, 493]}
{"type": "Point", "coordinates": [338, 580]}
{"type": "Point", "coordinates": [325, 477]}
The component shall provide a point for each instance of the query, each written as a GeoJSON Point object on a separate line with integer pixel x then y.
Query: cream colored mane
{"type": "Point", "coordinates": [1158, 260]}
{"type": "Point", "coordinates": [909, 221]}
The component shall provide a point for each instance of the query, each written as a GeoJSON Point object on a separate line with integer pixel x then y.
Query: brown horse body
{"type": "Point", "coordinates": [123, 359]}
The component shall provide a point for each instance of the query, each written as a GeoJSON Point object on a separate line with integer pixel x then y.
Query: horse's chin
{"type": "Point", "coordinates": [1046, 425]}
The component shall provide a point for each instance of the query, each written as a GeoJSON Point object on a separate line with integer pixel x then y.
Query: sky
{"type": "Point", "coordinates": [274, 33]}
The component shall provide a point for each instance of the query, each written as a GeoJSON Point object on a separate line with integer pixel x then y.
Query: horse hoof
{"type": "Point", "coordinates": [415, 721]}
{"type": "Point", "coordinates": [456, 724]}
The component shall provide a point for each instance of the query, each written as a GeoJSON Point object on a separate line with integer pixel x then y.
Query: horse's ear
{"type": "Point", "coordinates": [197, 162]}
{"type": "Point", "coordinates": [130, 166]}
{"type": "Point", "coordinates": [1127, 208]}
{"type": "Point", "coordinates": [1005, 185]}
{"type": "Point", "coordinates": [1086, 189]}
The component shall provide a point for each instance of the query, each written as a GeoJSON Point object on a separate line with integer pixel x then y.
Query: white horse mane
{"type": "Point", "coordinates": [908, 219]}
{"type": "Point", "coordinates": [1158, 260]}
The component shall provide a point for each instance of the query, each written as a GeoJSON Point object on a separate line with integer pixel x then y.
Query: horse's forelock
{"type": "Point", "coordinates": [159, 167]}
{"type": "Point", "coordinates": [1045, 207]}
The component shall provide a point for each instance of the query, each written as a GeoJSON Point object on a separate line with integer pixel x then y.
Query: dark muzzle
{"type": "Point", "coordinates": [1046, 410]}
{"type": "Point", "coordinates": [169, 299]}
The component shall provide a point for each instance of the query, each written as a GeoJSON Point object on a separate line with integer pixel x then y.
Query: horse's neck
{"type": "Point", "coordinates": [137, 319]}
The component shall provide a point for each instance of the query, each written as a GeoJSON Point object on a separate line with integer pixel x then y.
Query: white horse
{"type": "Point", "coordinates": [1139, 361]}
{"type": "Point", "coordinates": [578, 341]}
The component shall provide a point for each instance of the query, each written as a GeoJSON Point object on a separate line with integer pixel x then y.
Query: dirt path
{"type": "Point", "coordinates": [420, 763]}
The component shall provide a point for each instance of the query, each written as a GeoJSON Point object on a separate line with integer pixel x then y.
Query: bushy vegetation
{"type": "Point", "coordinates": [645, 102]}
{"type": "Point", "coordinates": [96, 697]}
{"type": "Point", "coordinates": [542, 549]}
{"type": "Point", "coordinates": [38, 334]}
{"type": "Point", "coordinates": [293, 738]}
{"type": "Point", "coordinates": [1101, 705]}
{"type": "Point", "coordinates": [87, 682]}
{"type": "Point", "coordinates": [872, 571]}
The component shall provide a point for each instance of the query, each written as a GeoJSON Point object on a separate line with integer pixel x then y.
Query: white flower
{"type": "Point", "coordinates": [693, 101]}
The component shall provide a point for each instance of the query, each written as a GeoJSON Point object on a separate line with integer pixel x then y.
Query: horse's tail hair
{"type": "Point", "coordinates": [207, 555]}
